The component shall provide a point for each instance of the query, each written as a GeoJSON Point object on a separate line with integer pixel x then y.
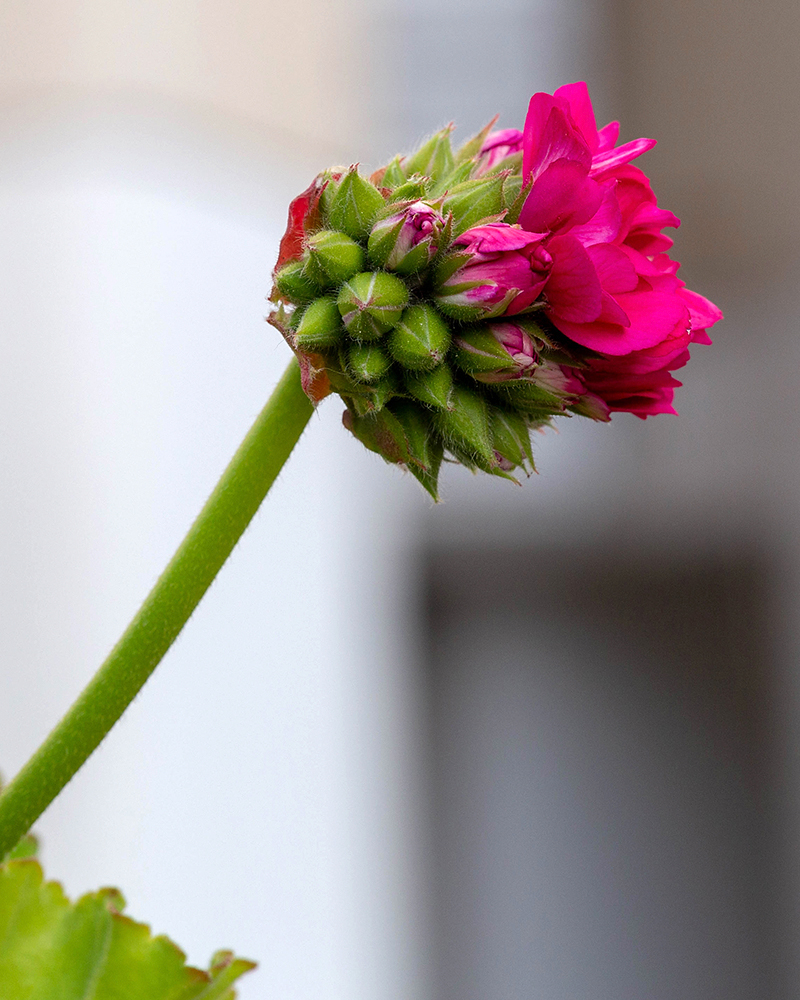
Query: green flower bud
{"type": "Point", "coordinates": [383, 390]}
{"type": "Point", "coordinates": [331, 180]}
{"type": "Point", "coordinates": [355, 205]}
{"type": "Point", "coordinates": [433, 388]}
{"type": "Point", "coordinates": [515, 195]}
{"type": "Point", "coordinates": [401, 433]}
{"type": "Point", "coordinates": [420, 340]}
{"type": "Point", "coordinates": [319, 326]}
{"type": "Point", "coordinates": [455, 177]}
{"type": "Point", "coordinates": [411, 190]}
{"type": "Point", "coordinates": [424, 447]}
{"type": "Point", "coordinates": [465, 428]}
{"type": "Point", "coordinates": [394, 175]}
{"type": "Point", "coordinates": [478, 352]}
{"type": "Point", "coordinates": [406, 240]}
{"type": "Point", "coordinates": [367, 362]}
{"type": "Point", "coordinates": [511, 440]}
{"type": "Point", "coordinates": [371, 304]}
{"type": "Point", "coordinates": [529, 397]}
{"type": "Point", "coordinates": [331, 258]}
{"type": "Point", "coordinates": [293, 283]}
{"type": "Point", "coordinates": [434, 158]}
{"type": "Point", "coordinates": [474, 145]}
{"type": "Point", "coordinates": [475, 201]}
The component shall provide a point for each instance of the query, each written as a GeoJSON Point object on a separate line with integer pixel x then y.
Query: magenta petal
{"type": "Point", "coordinates": [622, 154]}
{"type": "Point", "coordinates": [703, 313]}
{"type": "Point", "coordinates": [653, 315]}
{"type": "Point", "coordinates": [603, 226]}
{"type": "Point", "coordinates": [525, 299]}
{"type": "Point", "coordinates": [555, 195]}
{"type": "Point", "coordinates": [538, 113]}
{"type": "Point", "coordinates": [607, 137]}
{"type": "Point", "coordinates": [613, 267]}
{"type": "Point", "coordinates": [498, 236]}
{"type": "Point", "coordinates": [573, 290]}
{"type": "Point", "coordinates": [503, 137]}
{"type": "Point", "coordinates": [580, 106]}
{"type": "Point", "coordinates": [612, 312]}
{"type": "Point", "coordinates": [558, 139]}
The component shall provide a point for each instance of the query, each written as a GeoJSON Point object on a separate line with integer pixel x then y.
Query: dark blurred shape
{"type": "Point", "coordinates": [601, 791]}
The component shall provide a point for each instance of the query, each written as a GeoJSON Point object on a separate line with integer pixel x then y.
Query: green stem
{"type": "Point", "coordinates": [178, 591]}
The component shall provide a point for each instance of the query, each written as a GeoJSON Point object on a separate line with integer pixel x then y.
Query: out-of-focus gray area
{"type": "Point", "coordinates": [536, 742]}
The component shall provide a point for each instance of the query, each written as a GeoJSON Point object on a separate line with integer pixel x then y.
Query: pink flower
{"type": "Point", "coordinates": [610, 286]}
{"type": "Point", "coordinates": [499, 146]}
{"type": "Point", "coordinates": [502, 270]}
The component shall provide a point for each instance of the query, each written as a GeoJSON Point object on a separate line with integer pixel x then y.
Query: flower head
{"type": "Point", "coordinates": [529, 277]}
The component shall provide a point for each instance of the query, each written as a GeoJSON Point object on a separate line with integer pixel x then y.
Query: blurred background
{"type": "Point", "coordinates": [537, 742]}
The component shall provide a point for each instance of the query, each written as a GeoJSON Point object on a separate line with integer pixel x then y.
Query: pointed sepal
{"type": "Point", "coordinates": [293, 284]}
{"type": "Point", "coordinates": [478, 352]}
{"type": "Point", "coordinates": [319, 326]}
{"type": "Point", "coordinates": [420, 340]}
{"type": "Point", "coordinates": [371, 304]}
{"type": "Point", "coordinates": [528, 397]}
{"type": "Point", "coordinates": [424, 446]}
{"type": "Point", "coordinates": [355, 205]}
{"type": "Point", "coordinates": [394, 175]}
{"type": "Point", "coordinates": [465, 427]}
{"type": "Point", "coordinates": [475, 201]}
{"type": "Point", "coordinates": [511, 440]}
{"type": "Point", "coordinates": [367, 362]}
{"type": "Point", "coordinates": [434, 158]}
{"type": "Point", "coordinates": [473, 146]}
{"type": "Point", "coordinates": [331, 258]}
{"type": "Point", "coordinates": [434, 388]}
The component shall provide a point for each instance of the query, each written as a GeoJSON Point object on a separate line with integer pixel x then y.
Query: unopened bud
{"type": "Point", "coordinates": [424, 448]}
{"type": "Point", "coordinates": [383, 390]}
{"type": "Point", "coordinates": [320, 325]}
{"type": "Point", "coordinates": [371, 304]}
{"type": "Point", "coordinates": [420, 340]}
{"type": "Point", "coordinates": [434, 158]}
{"type": "Point", "coordinates": [529, 397]}
{"type": "Point", "coordinates": [511, 440]}
{"type": "Point", "coordinates": [472, 202]}
{"type": "Point", "coordinates": [465, 427]}
{"type": "Point", "coordinates": [479, 353]}
{"type": "Point", "coordinates": [413, 189]}
{"type": "Point", "coordinates": [394, 175]}
{"type": "Point", "coordinates": [434, 388]}
{"type": "Point", "coordinates": [407, 240]}
{"type": "Point", "coordinates": [330, 182]}
{"type": "Point", "coordinates": [354, 205]}
{"type": "Point", "coordinates": [331, 258]}
{"type": "Point", "coordinates": [367, 362]}
{"type": "Point", "coordinates": [293, 283]}
{"type": "Point", "coordinates": [500, 270]}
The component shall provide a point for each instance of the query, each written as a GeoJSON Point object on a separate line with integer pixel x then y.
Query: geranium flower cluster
{"type": "Point", "coordinates": [457, 301]}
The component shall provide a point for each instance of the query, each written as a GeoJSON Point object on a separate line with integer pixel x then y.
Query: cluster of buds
{"type": "Point", "coordinates": [458, 300]}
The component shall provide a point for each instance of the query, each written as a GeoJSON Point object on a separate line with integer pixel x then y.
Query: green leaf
{"type": "Point", "coordinates": [52, 949]}
{"type": "Point", "coordinates": [28, 847]}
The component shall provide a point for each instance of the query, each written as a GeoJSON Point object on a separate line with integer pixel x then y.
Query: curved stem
{"type": "Point", "coordinates": [178, 591]}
